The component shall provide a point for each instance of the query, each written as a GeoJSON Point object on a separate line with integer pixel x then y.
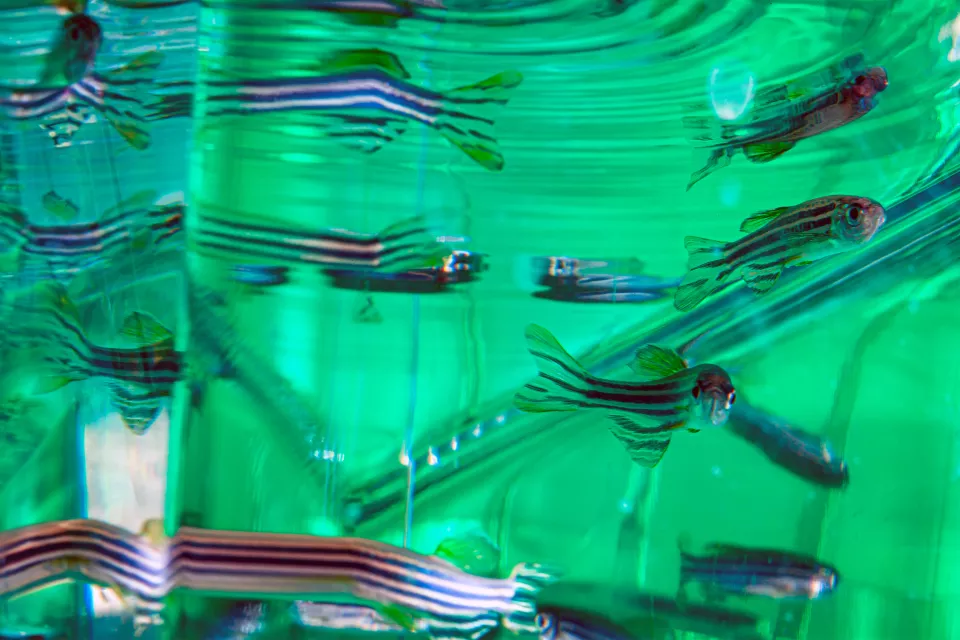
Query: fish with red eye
{"type": "Point", "coordinates": [767, 140]}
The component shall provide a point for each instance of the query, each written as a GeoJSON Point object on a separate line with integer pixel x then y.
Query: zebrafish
{"type": "Point", "coordinates": [804, 454]}
{"type": "Point", "coordinates": [402, 246]}
{"type": "Point", "coordinates": [644, 415]}
{"type": "Point", "coordinates": [406, 588]}
{"type": "Point", "coordinates": [777, 239]}
{"type": "Point", "coordinates": [730, 569]}
{"type": "Point", "coordinates": [245, 619]}
{"type": "Point", "coordinates": [367, 100]}
{"type": "Point", "coordinates": [564, 623]}
{"type": "Point", "coordinates": [139, 379]}
{"type": "Point", "coordinates": [848, 102]}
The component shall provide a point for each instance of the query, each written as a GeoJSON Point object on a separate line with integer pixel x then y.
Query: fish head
{"type": "Point", "coordinates": [549, 626]}
{"type": "Point", "coordinates": [79, 40]}
{"type": "Point", "coordinates": [713, 395]}
{"type": "Point", "coordinates": [870, 82]}
{"type": "Point", "coordinates": [822, 582]}
{"type": "Point", "coordinates": [856, 220]}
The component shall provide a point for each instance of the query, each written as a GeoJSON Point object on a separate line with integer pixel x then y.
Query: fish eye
{"type": "Point", "coordinates": [696, 392]}
{"type": "Point", "coordinates": [854, 214]}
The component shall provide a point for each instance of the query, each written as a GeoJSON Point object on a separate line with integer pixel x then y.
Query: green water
{"type": "Point", "coordinates": [351, 430]}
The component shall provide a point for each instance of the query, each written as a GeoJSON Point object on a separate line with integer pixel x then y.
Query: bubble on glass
{"type": "Point", "coordinates": [731, 88]}
{"type": "Point", "coordinates": [730, 192]}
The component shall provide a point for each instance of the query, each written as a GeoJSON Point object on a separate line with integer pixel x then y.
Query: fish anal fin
{"type": "Point", "coordinates": [762, 219]}
{"type": "Point", "coordinates": [766, 151]}
{"type": "Point", "coordinates": [365, 135]}
{"type": "Point", "coordinates": [646, 446]}
{"type": "Point", "coordinates": [399, 616]}
{"type": "Point", "coordinates": [654, 361]}
{"type": "Point", "coordinates": [760, 279]}
{"type": "Point", "coordinates": [354, 59]}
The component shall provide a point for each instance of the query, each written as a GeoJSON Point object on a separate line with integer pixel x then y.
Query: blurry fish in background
{"type": "Point", "coordinates": [598, 281]}
{"type": "Point", "coordinates": [644, 414]}
{"type": "Point", "coordinates": [69, 94]}
{"type": "Point", "coordinates": [458, 266]}
{"type": "Point", "coordinates": [726, 569]}
{"type": "Point", "coordinates": [244, 619]}
{"type": "Point", "coordinates": [364, 99]}
{"type": "Point", "coordinates": [59, 206]}
{"type": "Point", "coordinates": [811, 112]}
{"type": "Point", "coordinates": [777, 239]}
{"type": "Point", "coordinates": [257, 278]}
{"type": "Point", "coordinates": [371, 13]}
{"type": "Point", "coordinates": [562, 623]}
{"type": "Point", "coordinates": [804, 454]}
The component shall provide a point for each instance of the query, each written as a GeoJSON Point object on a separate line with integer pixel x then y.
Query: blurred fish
{"type": "Point", "coordinates": [258, 277]}
{"type": "Point", "coordinates": [562, 623]}
{"type": "Point", "coordinates": [846, 103]}
{"type": "Point", "coordinates": [598, 281]}
{"type": "Point", "coordinates": [777, 239]}
{"type": "Point", "coordinates": [59, 206]}
{"type": "Point", "coordinates": [245, 619]}
{"type": "Point", "coordinates": [73, 51]}
{"type": "Point", "coordinates": [375, 13]}
{"type": "Point", "coordinates": [804, 454]}
{"type": "Point", "coordinates": [729, 569]}
{"type": "Point", "coordinates": [366, 100]}
{"type": "Point", "coordinates": [407, 588]}
{"type": "Point", "coordinates": [645, 414]}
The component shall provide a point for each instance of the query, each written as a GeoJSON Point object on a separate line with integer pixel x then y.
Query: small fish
{"type": "Point", "coordinates": [777, 239]}
{"type": "Point", "coordinates": [368, 100]}
{"type": "Point", "coordinates": [73, 51]}
{"type": "Point", "coordinates": [644, 414]}
{"type": "Point", "coordinates": [804, 454]}
{"type": "Point", "coordinates": [730, 569]}
{"type": "Point", "coordinates": [59, 206]}
{"type": "Point", "coordinates": [849, 102]}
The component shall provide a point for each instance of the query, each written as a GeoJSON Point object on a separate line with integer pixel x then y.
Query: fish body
{"type": "Point", "coordinates": [729, 569]}
{"type": "Point", "coordinates": [644, 415]}
{"type": "Point", "coordinates": [74, 51]}
{"type": "Point", "coordinates": [804, 454]}
{"type": "Point", "coordinates": [850, 102]}
{"type": "Point", "coordinates": [777, 239]}
{"type": "Point", "coordinates": [368, 101]}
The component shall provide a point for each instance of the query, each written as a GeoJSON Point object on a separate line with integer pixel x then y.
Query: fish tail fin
{"type": "Point", "coordinates": [705, 272]}
{"type": "Point", "coordinates": [468, 118]}
{"type": "Point", "coordinates": [410, 244]}
{"type": "Point", "coordinates": [530, 579]}
{"type": "Point", "coordinates": [561, 377]}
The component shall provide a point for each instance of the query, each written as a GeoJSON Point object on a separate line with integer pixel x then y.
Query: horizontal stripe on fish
{"type": "Point", "coordinates": [404, 245]}
{"type": "Point", "coordinates": [354, 617]}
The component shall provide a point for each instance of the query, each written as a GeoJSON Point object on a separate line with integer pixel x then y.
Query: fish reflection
{"type": "Point", "coordinates": [777, 239]}
{"type": "Point", "coordinates": [849, 100]}
{"type": "Point", "coordinates": [245, 619]}
{"type": "Point", "coordinates": [366, 100]}
{"type": "Point", "coordinates": [69, 93]}
{"type": "Point", "coordinates": [574, 280]}
{"type": "Point", "coordinates": [644, 415]}
{"type": "Point", "coordinates": [457, 267]}
{"type": "Point", "coordinates": [804, 454]}
{"type": "Point", "coordinates": [725, 569]}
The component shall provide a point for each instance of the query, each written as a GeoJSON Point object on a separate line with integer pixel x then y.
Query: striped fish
{"type": "Point", "coordinates": [729, 569]}
{"type": "Point", "coordinates": [405, 586]}
{"type": "Point", "coordinates": [804, 454]}
{"type": "Point", "coordinates": [564, 623]}
{"type": "Point", "coordinates": [853, 98]}
{"type": "Point", "coordinates": [643, 415]}
{"type": "Point", "coordinates": [408, 244]}
{"type": "Point", "coordinates": [777, 239]}
{"type": "Point", "coordinates": [365, 100]}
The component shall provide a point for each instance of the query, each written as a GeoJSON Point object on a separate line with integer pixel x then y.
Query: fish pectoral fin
{"type": "Point", "coordinates": [144, 328]}
{"type": "Point", "coordinates": [763, 218]}
{"type": "Point", "coordinates": [654, 361]}
{"type": "Point", "coordinates": [645, 445]}
{"type": "Point", "coordinates": [761, 279]}
{"type": "Point", "coordinates": [399, 616]}
{"type": "Point", "coordinates": [354, 59]}
{"type": "Point", "coordinates": [474, 553]}
{"type": "Point", "coordinates": [766, 151]}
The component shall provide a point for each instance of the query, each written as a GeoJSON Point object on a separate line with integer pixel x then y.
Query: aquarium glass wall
{"type": "Point", "coordinates": [449, 319]}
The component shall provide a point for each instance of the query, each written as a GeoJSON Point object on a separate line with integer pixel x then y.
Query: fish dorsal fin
{"type": "Point", "coordinates": [653, 361]}
{"type": "Point", "coordinates": [354, 59]}
{"type": "Point", "coordinates": [475, 553]}
{"type": "Point", "coordinates": [144, 328]}
{"type": "Point", "coordinates": [762, 219]}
